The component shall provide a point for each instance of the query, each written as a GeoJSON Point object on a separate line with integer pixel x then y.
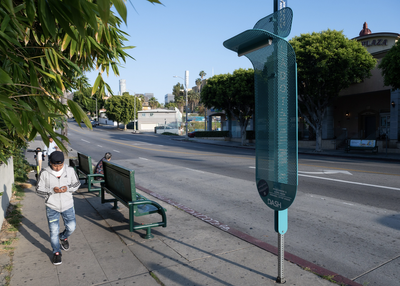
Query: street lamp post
{"type": "Point", "coordinates": [134, 114]}
{"type": "Point", "coordinates": [186, 82]}
{"type": "Point", "coordinates": [134, 111]}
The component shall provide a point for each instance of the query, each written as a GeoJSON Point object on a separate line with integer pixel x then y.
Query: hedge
{"type": "Point", "coordinates": [250, 135]}
{"type": "Point", "coordinates": [212, 133]}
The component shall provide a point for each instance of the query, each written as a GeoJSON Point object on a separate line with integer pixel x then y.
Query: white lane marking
{"type": "Point", "coordinates": [140, 144]}
{"type": "Point", "coordinates": [348, 182]}
{"type": "Point", "coordinates": [252, 167]}
{"type": "Point", "coordinates": [99, 145]}
{"type": "Point", "coordinates": [143, 158]}
{"type": "Point", "coordinates": [327, 172]}
{"type": "Point", "coordinates": [194, 170]}
{"type": "Point", "coordinates": [85, 141]}
{"type": "Point", "coordinates": [348, 204]}
{"type": "Point", "coordinates": [116, 151]}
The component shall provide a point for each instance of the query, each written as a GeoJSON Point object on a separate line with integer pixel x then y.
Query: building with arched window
{"type": "Point", "coordinates": [367, 110]}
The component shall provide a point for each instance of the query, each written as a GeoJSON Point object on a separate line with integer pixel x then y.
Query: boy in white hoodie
{"type": "Point", "coordinates": [57, 182]}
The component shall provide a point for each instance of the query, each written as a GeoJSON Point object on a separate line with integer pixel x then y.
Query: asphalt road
{"type": "Point", "coordinates": [345, 216]}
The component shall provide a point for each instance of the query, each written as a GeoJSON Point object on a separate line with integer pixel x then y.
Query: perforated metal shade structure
{"type": "Point", "coordinates": [275, 76]}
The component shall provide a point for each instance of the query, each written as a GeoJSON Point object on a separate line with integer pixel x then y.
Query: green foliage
{"type": "Point", "coordinates": [121, 108]}
{"type": "Point", "coordinates": [327, 62]}
{"type": "Point", "coordinates": [170, 105]}
{"type": "Point", "coordinates": [45, 48]}
{"type": "Point", "coordinates": [212, 133]}
{"type": "Point", "coordinates": [233, 93]}
{"type": "Point", "coordinates": [87, 101]}
{"type": "Point", "coordinates": [390, 66]}
{"type": "Point", "coordinates": [179, 96]}
{"type": "Point", "coordinates": [193, 99]}
{"type": "Point", "coordinates": [202, 74]}
{"type": "Point", "coordinates": [21, 166]}
{"type": "Point", "coordinates": [14, 214]}
{"type": "Point", "coordinates": [169, 134]}
{"type": "Point", "coordinates": [153, 102]}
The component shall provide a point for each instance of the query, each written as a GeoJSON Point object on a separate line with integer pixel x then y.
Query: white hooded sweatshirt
{"type": "Point", "coordinates": [48, 180]}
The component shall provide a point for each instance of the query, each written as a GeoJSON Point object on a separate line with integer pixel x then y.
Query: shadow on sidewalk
{"type": "Point", "coordinates": [183, 280]}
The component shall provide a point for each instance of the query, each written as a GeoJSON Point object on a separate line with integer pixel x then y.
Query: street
{"type": "Point", "coordinates": [345, 216]}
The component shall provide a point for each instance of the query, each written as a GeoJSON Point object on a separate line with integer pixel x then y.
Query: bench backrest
{"type": "Point", "coordinates": [120, 181]}
{"type": "Point", "coordinates": [85, 163]}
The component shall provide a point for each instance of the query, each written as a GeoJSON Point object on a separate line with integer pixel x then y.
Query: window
{"type": "Point", "coordinates": [151, 114]}
{"type": "Point", "coordinates": [143, 114]}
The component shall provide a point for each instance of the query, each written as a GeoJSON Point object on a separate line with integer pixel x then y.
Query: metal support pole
{"type": "Point", "coordinates": [186, 91]}
{"type": "Point", "coordinates": [134, 115]}
{"type": "Point", "coordinates": [281, 258]}
{"type": "Point", "coordinates": [186, 121]}
{"type": "Point", "coordinates": [386, 133]}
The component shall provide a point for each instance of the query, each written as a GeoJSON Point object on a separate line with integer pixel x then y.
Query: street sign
{"type": "Point", "coordinates": [275, 80]}
{"type": "Point", "coordinates": [275, 75]}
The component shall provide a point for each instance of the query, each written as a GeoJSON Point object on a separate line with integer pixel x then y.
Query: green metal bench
{"type": "Point", "coordinates": [354, 144]}
{"type": "Point", "coordinates": [84, 169]}
{"type": "Point", "coordinates": [119, 182]}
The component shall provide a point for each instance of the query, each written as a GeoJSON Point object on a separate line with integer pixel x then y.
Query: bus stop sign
{"type": "Point", "coordinates": [275, 75]}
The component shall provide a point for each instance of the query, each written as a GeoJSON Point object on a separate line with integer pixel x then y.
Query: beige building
{"type": "Point", "coordinates": [148, 119]}
{"type": "Point", "coordinates": [368, 110]}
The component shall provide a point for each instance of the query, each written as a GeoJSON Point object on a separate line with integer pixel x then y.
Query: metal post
{"type": "Point", "coordinates": [186, 123]}
{"type": "Point", "coordinates": [134, 115]}
{"type": "Point", "coordinates": [386, 133]}
{"type": "Point", "coordinates": [97, 117]}
{"type": "Point", "coordinates": [186, 83]}
{"type": "Point", "coordinates": [281, 257]}
{"type": "Point", "coordinates": [279, 4]}
{"type": "Point", "coordinates": [205, 118]}
{"type": "Point", "coordinates": [186, 91]}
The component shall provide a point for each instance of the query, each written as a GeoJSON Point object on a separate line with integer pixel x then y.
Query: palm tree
{"type": "Point", "coordinates": [153, 102]}
{"type": "Point", "coordinates": [180, 102]}
{"type": "Point", "coordinates": [193, 99]}
{"type": "Point", "coordinates": [198, 83]}
{"type": "Point", "coordinates": [202, 74]}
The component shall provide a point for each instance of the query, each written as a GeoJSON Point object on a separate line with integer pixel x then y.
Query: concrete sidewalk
{"type": "Point", "coordinates": [192, 250]}
{"type": "Point", "coordinates": [189, 251]}
{"type": "Point", "coordinates": [103, 251]}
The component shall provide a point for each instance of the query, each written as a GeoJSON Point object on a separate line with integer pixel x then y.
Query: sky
{"type": "Point", "coordinates": [185, 35]}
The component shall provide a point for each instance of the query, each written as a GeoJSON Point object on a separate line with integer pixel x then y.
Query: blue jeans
{"type": "Point", "coordinates": [53, 218]}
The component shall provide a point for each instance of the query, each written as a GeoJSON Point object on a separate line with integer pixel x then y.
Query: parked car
{"type": "Point", "coordinates": [192, 134]}
{"type": "Point", "coordinates": [94, 123]}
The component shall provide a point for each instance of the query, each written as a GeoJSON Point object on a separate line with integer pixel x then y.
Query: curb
{"type": "Point", "coordinates": [352, 156]}
{"type": "Point", "coordinates": [318, 270]}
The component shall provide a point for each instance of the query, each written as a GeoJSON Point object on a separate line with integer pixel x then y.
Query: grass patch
{"type": "Point", "coordinates": [156, 278]}
{"type": "Point", "coordinates": [8, 242]}
{"type": "Point", "coordinates": [14, 217]}
{"type": "Point", "coordinates": [330, 278]}
{"type": "Point", "coordinates": [18, 192]}
{"type": "Point", "coordinates": [8, 280]}
{"type": "Point", "coordinates": [8, 267]}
